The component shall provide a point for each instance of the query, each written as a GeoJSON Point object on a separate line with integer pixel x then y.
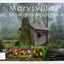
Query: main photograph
{"type": "Point", "coordinates": [32, 31]}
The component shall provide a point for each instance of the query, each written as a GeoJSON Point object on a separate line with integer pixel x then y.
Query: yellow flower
{"type": "Point", "coordinates": [34, 51]}
{"type": "Point", "coordinates": [41, 53]}
{"type": "Point", "coordinates": [16, 53]}
{"type": "Point", "coordinates": [22, 53]}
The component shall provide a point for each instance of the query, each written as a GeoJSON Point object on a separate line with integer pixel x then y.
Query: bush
{"type": "Point", "coordinates": [24, 45]}
{"type": "Point", "coordinates": [58, 41]}
{"type": "Point", "coordinates": [1, 39]}
{"type": "Point", "coordinates": [53, 45]}
{"type": "Point", "coordinates": [1, 44]}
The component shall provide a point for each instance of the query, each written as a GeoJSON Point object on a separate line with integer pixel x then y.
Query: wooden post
{"type": "Point", "coordinates": [47, 38]}
{"type": "Point", "coordinates": [47, 23]}
{"type": "Point", "coordinates": [47, 16]}
{"type": "Point", "coordinates": [34, 16]}
{"type": "Point", "coordinates": [39, 20]}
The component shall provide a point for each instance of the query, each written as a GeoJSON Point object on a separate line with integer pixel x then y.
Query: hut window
{"type": "Point", "coordinates": [38, 34]}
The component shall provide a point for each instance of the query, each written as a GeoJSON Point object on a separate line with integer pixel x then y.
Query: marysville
{"type": "Point", "coordinates": [28, 8]}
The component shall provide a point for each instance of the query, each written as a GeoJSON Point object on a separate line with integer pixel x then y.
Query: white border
{"type": "Point", "coordinates": [31, 1]}
{"type": "Point", "coordinates": [32, 62]}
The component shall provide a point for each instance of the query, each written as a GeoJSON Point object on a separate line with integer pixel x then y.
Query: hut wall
{"type": "Point", "coordinates": [32, 36]}
{"type": "Point", "coordinates": [39, 40]}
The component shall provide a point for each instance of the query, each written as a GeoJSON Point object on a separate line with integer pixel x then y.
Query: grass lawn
{"type": "Point", "coordinates": [8, 45]}
{"type": "Point", "coordinates": [10, 40]}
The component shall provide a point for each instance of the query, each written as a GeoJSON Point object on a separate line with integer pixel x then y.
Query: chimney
{"type": "Point", "coordinates": [25, 21]}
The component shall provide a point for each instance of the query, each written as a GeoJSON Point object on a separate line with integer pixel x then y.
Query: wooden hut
{"type": "Point", "coordinates": [33, 33]}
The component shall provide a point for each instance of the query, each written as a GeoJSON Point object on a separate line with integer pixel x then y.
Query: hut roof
{"type": "Point", "coordinates": [38, 26]}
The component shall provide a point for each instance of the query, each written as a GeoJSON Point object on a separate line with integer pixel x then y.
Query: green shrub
{"type": "Point", "coordinates": [1, 39]}
{"type": "Point", "coordinates": [25, 45]}
{"type": "Point", "coordinates": [53, 45]}
{"type": "Point", "coordinates": [1, 45]}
